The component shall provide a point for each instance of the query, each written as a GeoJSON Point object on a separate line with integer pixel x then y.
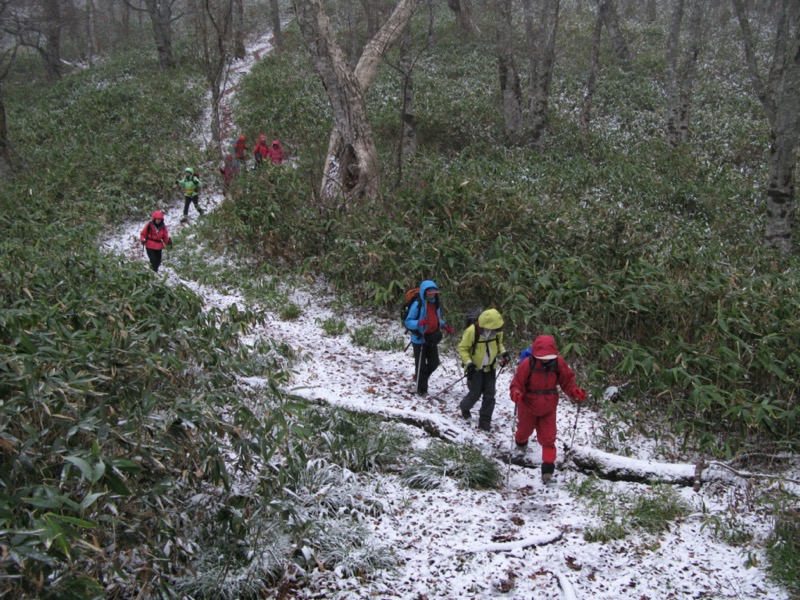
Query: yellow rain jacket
{"type": "Point", "coordinates": [482, 352]}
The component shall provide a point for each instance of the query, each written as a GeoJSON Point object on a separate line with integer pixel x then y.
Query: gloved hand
{"type": "Point", "coordinates": [448, 329]}
{"type": "Point", "coordinates": [516, 395]}
{"type": "Point", "coordinates": [142, 242]}
{"type": "Point", "coordinates": [470, 369]}
{"type": "Point", "coordinates": [505, 358]}
{"type": "Point", "coordinates": [580, 395]}
{"type": "Point", "coordinates": [422, 323]}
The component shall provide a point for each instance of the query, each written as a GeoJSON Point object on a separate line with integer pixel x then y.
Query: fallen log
{"type": "Point", "coordinates": [621, 468]}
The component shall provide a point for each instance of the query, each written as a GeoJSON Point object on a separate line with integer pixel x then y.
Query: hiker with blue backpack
{"type": "Point", "coordinates": [480, 349]}
{"type": "Point", "coordinates": [425, 322]}
{"type": "Point", "coordinates": [534, 391]}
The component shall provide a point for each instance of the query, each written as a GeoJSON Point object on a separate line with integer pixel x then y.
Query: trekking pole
{"type": "Point", "coordinates": [455, 351]}
{"type": "Point", "coordinates": [447, 387]}
{"type": "Point", "coordinates": [513, 439]}
{"type": "Point", "coordinates": [575, 426]}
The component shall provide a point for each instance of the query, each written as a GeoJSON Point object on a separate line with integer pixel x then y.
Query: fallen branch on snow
{"type": "Point", "coordinates": [432, 425]}
{"type": "Point", "coordinates": [541, 540]}
{"type": "Point", "coordinates": [567, 590]}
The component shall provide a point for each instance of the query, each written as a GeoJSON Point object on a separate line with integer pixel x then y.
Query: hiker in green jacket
{"type": "Point", "coordinates": [480, 348]}
{"type": "Point", "coordinates": [191, 185]}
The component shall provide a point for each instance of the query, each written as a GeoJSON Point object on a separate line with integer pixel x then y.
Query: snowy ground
{"type": "Point", "coordinates": [521, 541]}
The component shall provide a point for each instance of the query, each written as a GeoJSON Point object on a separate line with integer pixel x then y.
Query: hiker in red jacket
{"type": "Point", "coordinates": [228, 171]}
{"type": "Point", "coordinates": [155, 238]}
{"type": "Point", "coordinates": [534, 391]}
{"type": "Point", "coordinates": [261, 151]}
{"type": "Point", "coordinates": [240, 151]}
{"type": "Point", "coordinates": [276, 153]}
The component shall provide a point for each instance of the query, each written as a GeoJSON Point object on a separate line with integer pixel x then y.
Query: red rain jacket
{"type": "Point", "coordinates": [153, 237]}
{"type": "Point", "coordinates": [538, 386]}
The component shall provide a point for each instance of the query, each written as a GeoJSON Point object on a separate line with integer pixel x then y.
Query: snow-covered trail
{"type": "Point", "coordinates": [521, 541]}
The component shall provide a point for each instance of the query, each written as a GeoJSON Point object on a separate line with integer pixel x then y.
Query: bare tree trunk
{"type": "Point", "coordinates": [6, 164]}
{"type": "Point", "coordinates": [510, 89]}
{"type": "Point", "coordinates": [239, 50]}
{"type": "Point", "coordinates": [680, 74]}
{"type": "Point", "coordinates": [780, 98]}
{"type": "Point", "coordinates": [542, 49]}
{"type": "Point", "coordinates": [371, 20]}
{"type": "Point", "coordinates": [126, 20]}
{"type": "Point", "coordinates": [91, 31]}
{"type": "Point", "coordinates": [671, 74]}
{"type": "Point", "coordinates": [277, 33]}
{"type": "Point", "coordinates": [408, 135]}
{"type": "Point", "coordinates": [51, 53]}
{"type": "Point", "coordinates": [214, 29]}
{"type": "Point", "coordinates": [351, 164]}
{"type": "Point", "coordinates": [430, 22]}
{"type": "Point", "coordinates": [651, 11]}
{"type": "Point", "coordinates": [353, 36]}
{"type": "Point", "coordinates": [160, 12]}
{"type": "Point", "coordinates": [609, 10]}
{"type": "Point", "coordinates": [591, 76]}
{"type": "Point", "coordinates": [464, 20]}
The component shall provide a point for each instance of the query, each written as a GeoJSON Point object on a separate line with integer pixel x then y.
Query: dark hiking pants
{"type": "Point", "coordinates": [155, 258]}
{"type": "Point", "coordinates": [481, 382]}
{"type": "Point", "coordinates": [428, 355]}
{"type": "Point", "coordinates": [187, 200]}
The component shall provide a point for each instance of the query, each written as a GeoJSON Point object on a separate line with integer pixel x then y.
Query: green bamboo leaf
{"type": "Point", "coordinates": [90, 499]}
{"type": "Point", "coordinates": [84, 467]}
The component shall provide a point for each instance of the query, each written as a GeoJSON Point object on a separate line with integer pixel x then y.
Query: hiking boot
{"type": "Point", "coordinates": [185, 219]}
{"type": "Point", "coordinates": [465, 414]}
{"type": "Point", "coordinates": [485, 425]}
{"type": "Point", "coordinates": [547, 472]}
{"type": "Point", "coordinates": [521, 448]}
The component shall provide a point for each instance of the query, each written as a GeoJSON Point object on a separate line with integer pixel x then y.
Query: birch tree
{"type": "Point", "coordinates": [277, 33]}
{"type": "Point", "coordinates": [239, 50]}
{"type": "Point", "coordinates": [161, 19]}
{"type": "Point", "coordinates": [510, 89]}
{"type": "Point", "coordinates": [8, 50]}
{"type": "Point", "coordinates": [680, 68]}
{"type": "Point", "coordinates": [351, 163]}
{"type": "Point", "coordinates": [37, 25]}
{"type": "Point", "coordinates": [591, 75]}
{"type": "Point", "coordinates": [608, 9]}
{"type": "Point", "coordinates": [779, 94]}
{"type": "Point", "coordinates": [463, 12]}
{"type": "Point", "coordinates": [541, 42]}
{"type": "Point", "coordinates": [213, 21]}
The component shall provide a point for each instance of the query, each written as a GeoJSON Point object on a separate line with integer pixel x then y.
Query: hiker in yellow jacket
{"type": "Point", "coordinates": [481, 346]}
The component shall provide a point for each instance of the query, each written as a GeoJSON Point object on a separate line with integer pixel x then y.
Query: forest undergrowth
{"type": "Point", "coordinates": [121, 400]}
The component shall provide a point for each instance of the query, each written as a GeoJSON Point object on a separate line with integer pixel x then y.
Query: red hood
{"type": "Point", "coordinates": [544, 347]}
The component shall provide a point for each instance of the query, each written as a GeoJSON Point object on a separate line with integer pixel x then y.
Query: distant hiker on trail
{"type": "Point", "coordinates": [228, 171]}
{"type": "Point", "coordinates": [261, 151]}
{"type": "Point", "coordinates": [240, 151]}
{"type": "Point", "coordinates": [481, 345]}
{"type": "Point", "coordinates": [191, 185]}
{"type": "Point", "coordinates": [425, 323]}
{"type": "Point", "coordinates": [155, 238]}
{"type": "Point", "coordinates": [276, 153]}
{"type": "Point", "coordinates": [533, 390]}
